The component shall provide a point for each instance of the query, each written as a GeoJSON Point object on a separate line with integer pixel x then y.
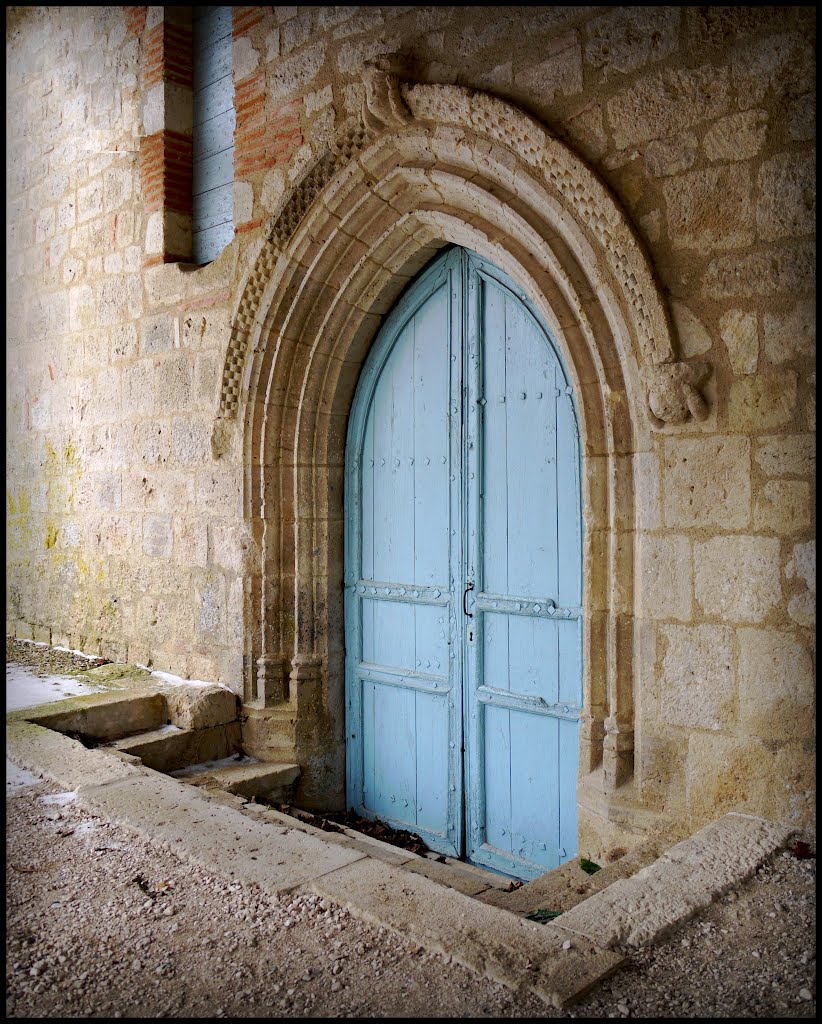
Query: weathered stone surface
{"type": "Point", "coordinates": [787, 270]}
{"type": "Point", "coordinates": [667, 577]}
{"type": "Point", "coordinates": [787, 203]}
{"type": "Point", "coordinates": [627, 38]}
{"type": "Point", "coordinates": [710, 209]}
{"type": "Point", "coordinates": [647, 477]}
{"type": "Point", "coordinates": [783, 506]}
{"type": "Point", "coordinates": [170, 747]}
{"type": "Point", "coordinates": [738, 330]}
{"type": "Point", "coordinates": [63, 760]}
{"type": "Point", "coordinates": [694, 339]}
{"type": "Point", "coordinates": [560, 74]}
{"type": "Point", "coordinates": [802, 118]}
{"type": "Point", "coordinates": [158, 536]}
{"type": "Point", "coordinates": [790, 335]}
{"type": "Point", "coordinates": [803, 564]}
{"type": "Point", "coordinates": [665, 157]}
{"type": "Point", "coordinates": [762, 402]}
{"type": "Point", "coordinates": [698, 678]}
{"type": "Point", "coordinates": [776, 685]}
{"type": "Point", "coordinates": [737, 578]}
{"type": "Point", "coordinates": [737, 137]}
{"type": "Point", "coordinates": [786, 66]}
{"type": "Point", "coordinates": [707, 482]}
{"type": "Point", "coordinates": [665, 104]}
{"type": "Point", "coordinates": [200, 707]}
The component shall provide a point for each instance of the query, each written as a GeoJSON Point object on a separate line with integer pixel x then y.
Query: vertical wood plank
{"type": "Point", "coordinates": [535, 788]}
{"type": "Point", "coordinates": [497, 762]}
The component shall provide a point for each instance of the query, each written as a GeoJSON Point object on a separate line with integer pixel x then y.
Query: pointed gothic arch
{"type": "Point", "coordinates": [427, 166]}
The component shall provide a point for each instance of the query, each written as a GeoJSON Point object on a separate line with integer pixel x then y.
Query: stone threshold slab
{"type": "Point", "coordinates": [637, 911]}
{"type": "Point", "coordinates": [522, 955]}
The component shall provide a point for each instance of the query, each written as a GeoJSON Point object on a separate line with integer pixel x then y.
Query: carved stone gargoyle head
{"type": "Point", "coordinates": [673, 391]}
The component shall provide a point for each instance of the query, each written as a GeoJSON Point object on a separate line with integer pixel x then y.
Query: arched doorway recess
{"type": "Point", "coordinates": [425, 167]}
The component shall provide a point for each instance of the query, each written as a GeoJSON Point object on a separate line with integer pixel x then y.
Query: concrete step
{"type": "Point", "coordinates": [170, 747]}
{"type": "Point", "coordinates": [261, 780]}
{"type": "Point", "coordinates": [568, 885]}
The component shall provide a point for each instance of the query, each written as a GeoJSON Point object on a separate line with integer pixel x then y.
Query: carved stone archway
{"type": "Point", "coordinates": [426, 166]}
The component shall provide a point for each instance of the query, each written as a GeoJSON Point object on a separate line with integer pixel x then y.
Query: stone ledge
{"type": "Point", "coordinates": [636, 911]}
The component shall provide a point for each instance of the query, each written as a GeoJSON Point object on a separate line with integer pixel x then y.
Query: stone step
{"type": "Point", "coordinates": [170, 747]}
{"type": "Point", "coordinates": [103, 717]}
{"type": "Point", "coordinates": [568, 885]}
{"type": "Point", "coordinates": [261, 780]}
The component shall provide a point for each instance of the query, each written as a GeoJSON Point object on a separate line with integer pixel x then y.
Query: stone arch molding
{"type": "Point", "coordinates": [425, 166]}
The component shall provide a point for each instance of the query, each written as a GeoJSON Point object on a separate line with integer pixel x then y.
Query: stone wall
{"type": "Point", "coordinates": [128, 538]}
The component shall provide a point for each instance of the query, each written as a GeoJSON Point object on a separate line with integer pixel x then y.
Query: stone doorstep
{"type": "Point", "coordinates": [568, 885]}
{"type": "Point", "coordinates": [166, 750]}
{"type": "Point", "coordinates": [265, 780]}
{"type": "Point", "coordinates": [108, 717]}
{"type": "Point", "coordinates": [456, 874]}
{"type": "Point", "coordinates": [636, 911]}
{"type": "Point", "coordinates": [544, 959]}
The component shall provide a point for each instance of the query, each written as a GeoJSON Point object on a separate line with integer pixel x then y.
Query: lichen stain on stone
{"type": "Point", "coordinates": [70, 455]}
{"type": "Point", "coordinates": [51, 536]}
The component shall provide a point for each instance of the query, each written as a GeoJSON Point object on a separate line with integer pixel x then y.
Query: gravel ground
{"type": "Point", "coordinates": [101, 923]}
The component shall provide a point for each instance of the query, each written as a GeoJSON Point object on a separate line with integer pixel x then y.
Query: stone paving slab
{"type": "Point", "coordinates": [63, 760]}
{"type": "Point", "coordinates": [216, 836]}
{"type": "Point", "coordinates": [636, 911]}
{"type": "Point", "coordinates": [507, 949]}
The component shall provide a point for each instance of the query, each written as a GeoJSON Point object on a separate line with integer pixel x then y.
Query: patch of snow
{"type": "Point", "coordinates": [58, 798]}
{"type": "Point", "coordinates": [24, 689]}
{"type": "Point", "coordinates": [18, 779]}
{"type": "Point", "coordinates": [179, 681]}
{"type": "Point", "coordinates": [85, 826]}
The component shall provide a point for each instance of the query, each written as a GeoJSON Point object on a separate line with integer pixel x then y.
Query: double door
{"type": "Point", "coordinates": [463, 575]}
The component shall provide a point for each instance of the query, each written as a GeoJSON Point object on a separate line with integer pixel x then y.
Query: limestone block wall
{"type": "Point", "coordinates": [127, 537]}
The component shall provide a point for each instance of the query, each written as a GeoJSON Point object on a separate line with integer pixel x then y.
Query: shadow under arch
{"type": "Point", "coordinates": [461, 168]}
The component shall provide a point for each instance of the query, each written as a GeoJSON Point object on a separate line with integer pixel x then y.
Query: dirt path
{"type": "Point", "coordinates": [101, 923]}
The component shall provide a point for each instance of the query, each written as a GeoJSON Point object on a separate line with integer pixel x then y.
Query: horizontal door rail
{"type": "Point", "coordinates": [406, 593]}
{"type": "Point", "coordinates": [543, 608]}
{"type": "Point", "coordinates": [527, 702]}
{"type": "Point", "coordinates": [429, 683]}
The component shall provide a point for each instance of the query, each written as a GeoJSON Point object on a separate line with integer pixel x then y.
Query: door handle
{"type": "Point", "coordinates": [464, 601]}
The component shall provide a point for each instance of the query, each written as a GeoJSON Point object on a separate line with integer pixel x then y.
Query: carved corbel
{"type": "Point", "coordinates": [673, 392]}
{"type": "Point", "coordinates": [384, 106]}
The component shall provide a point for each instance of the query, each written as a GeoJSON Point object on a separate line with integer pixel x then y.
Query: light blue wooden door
{"type": "Point", "coordinates": [463, 557]}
